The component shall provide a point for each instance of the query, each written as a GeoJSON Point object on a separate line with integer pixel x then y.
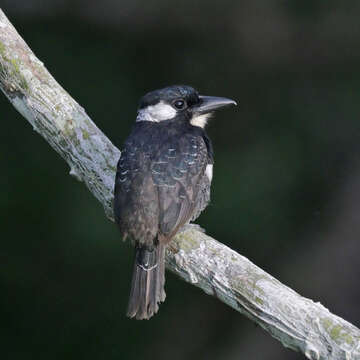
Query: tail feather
{"type": "Point", "coordinates": [147, 286]}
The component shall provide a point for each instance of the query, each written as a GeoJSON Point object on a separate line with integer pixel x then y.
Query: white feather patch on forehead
{"type": "Point", "coordinates": [156, 113]}
{"type": "Point", "coordinates": [200, 120]}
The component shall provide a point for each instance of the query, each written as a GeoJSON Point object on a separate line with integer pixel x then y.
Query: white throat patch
{"type": "Point", "coordinates": [156, 113]}
{"type": "Point", "coordinates": [200, 120]}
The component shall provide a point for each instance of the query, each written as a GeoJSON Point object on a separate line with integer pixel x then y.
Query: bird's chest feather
{"type": "Point", "coordinates": [167, 154]}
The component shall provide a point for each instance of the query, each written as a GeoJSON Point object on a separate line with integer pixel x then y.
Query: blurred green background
{"type": "Point", "coordinates": [286, 189]}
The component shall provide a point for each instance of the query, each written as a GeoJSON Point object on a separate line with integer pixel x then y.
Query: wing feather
{"type": "Point", "coordinates": [178, 174]}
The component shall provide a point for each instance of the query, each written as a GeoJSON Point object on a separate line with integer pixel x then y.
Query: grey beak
{"type": "Point", "coordinates": [211, 103]}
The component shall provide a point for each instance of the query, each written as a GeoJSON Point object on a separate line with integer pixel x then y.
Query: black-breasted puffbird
{"type": "Point", "coordinates": [162, 183]}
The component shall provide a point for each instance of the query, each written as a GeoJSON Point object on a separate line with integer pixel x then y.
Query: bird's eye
{"type": "Point", "coordinates": [179, 104]}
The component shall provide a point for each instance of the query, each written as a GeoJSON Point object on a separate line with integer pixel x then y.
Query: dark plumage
{"type": "Point", "coordinates": [162, 183]}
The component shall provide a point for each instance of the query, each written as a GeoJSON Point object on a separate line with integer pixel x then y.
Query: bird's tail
{"type": "Point", "coordinates": [147, 286]}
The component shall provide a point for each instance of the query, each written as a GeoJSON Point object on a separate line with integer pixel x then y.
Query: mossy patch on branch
{"type": "Point", "coordinates": [11, 72]}
{"type": "Point", "coordinates": [187, 241]}
{"type": "Point", "coordinates": [85, 134]}
{"type": "Point", "coordinates": [337, 332]}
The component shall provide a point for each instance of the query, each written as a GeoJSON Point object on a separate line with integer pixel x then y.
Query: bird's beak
{"type": "Point", "coordinates": [211, 103]}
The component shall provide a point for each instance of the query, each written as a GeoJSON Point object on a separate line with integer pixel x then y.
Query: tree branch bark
{"type": "Point", "coordinates": [299, 323]}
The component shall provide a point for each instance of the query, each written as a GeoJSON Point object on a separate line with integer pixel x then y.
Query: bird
{"type": "Point", "coordinates": [162, 183]}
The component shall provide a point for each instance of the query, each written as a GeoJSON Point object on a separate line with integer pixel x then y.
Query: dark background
{"type": "Point", "coordinates": [286, 189]}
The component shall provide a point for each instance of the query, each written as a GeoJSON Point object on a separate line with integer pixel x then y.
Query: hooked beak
{"type": "Point", "coordinates": [211, 103]}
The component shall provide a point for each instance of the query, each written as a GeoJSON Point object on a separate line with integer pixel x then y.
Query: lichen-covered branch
{"type": "Point", "coordinates": [297, 322]}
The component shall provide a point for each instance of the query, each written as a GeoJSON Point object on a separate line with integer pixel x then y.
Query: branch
{"type": "Point", "coordinates": [299, 323]}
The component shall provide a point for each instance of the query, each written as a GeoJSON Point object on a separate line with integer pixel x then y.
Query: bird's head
{"type": "Point", "coordinates": [179, 101]}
